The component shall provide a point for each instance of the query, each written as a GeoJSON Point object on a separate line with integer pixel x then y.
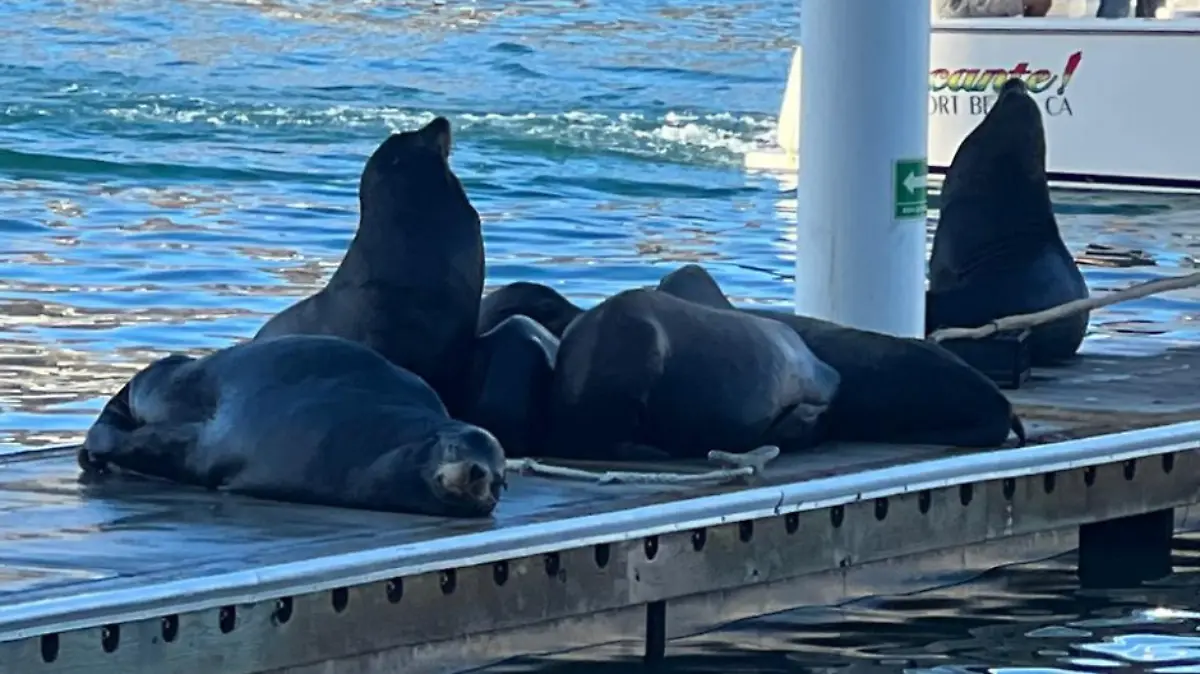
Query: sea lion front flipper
{"type": "Point", "coordinates": [107, 434]}
{"type": "Point", "coordinates": [154, 450]}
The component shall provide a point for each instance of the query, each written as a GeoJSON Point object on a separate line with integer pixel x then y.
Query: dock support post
{"type": "Point", "coordinates": [656, 632]}
{"type": "Point", "coordinates": [1126, 551]}
{"type": "Point", "coordinates": [861, 200]}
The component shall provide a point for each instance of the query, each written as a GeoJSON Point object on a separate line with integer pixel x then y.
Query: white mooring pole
{"type": "Point", "coordinates": [860, 232]}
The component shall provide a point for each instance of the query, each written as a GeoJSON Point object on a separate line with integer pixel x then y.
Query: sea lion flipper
{"type": "Point", "coordinates": [160, 449]}
{"type": "Point", "coordinates": [107, 434]}
{"type": "Point", "coordinates": [1018, 428]}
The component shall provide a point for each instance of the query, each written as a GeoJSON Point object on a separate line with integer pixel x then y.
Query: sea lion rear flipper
{"type": "Point", "coordinates": [1018, 428]}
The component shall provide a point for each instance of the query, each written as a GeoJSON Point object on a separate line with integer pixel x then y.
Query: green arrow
{"type": "Point", "coordinates": [915, 181]}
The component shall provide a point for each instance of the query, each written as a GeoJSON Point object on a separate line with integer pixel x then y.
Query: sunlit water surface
{"type": "Point", "coordinates": [174, 172]}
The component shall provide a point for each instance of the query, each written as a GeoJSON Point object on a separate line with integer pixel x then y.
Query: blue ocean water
{"type": "Point", "coordinates": [174, 171]}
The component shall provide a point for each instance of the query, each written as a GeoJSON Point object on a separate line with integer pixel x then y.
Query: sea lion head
{"type": "Point", "coordinates": [467, 470]}
{"type": "Point", "coordinates": [543, 304]}
{"type": "Point", "coordinates": [409, 173]}
{"type": "Point", "coordinates": [1008, 144]}
{"type": "Point", "coordinates": [999, 174]}
{"type": "Point", "coordinates": [693, 283]}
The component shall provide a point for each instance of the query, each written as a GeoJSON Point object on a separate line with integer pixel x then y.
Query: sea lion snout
{"type": "Point", "coordinates": [472, 482]}
{"type": "Point", "coordinates": [464, 477]}
{"type": "Point", "coordinates": [472, 471]}
{"type": "Point", "coordinates": [1015, 85]}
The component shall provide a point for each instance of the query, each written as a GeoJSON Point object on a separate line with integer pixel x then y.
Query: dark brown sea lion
{"type": "Point", "coordinates": [410, 283]}
{"type": "Point", "coordinates": [997, 250]}
{"type": "Point", "coordinates": [645, 374]}
{"type": "Point", "coordinates": [893, 390]}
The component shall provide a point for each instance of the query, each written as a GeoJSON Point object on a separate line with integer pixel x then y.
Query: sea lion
{"type": "Point", "coordinates": [694, 284]}
{"type": "Point", "coordinates": [541, 303]}
{"type": "Point", "coordinates": [511, 376]}
{"type": "Point", "coordinates": [893, 390]}
{"type": "Point", "coordinates": [646, 375]}
{"type": "Point", "coordinates": [997, 250]}
{"type": "Point", "coordinates": [410, 283]}
{"type": "Point", "coordinates": [301, 418]}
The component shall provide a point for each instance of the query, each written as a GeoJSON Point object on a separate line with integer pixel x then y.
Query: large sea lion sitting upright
{"type": "Point", "coordinates": [997, 250]}
{"type": "Point", "coordinates": [410, 283]}
{"type": "Point", "coordinates": [300, 418]}
{"type": "Point", "coordinates": [644, 374]}
{"type": "Point", "coordinates": [893, 390]}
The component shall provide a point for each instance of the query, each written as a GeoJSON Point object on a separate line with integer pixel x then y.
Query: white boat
{"type": "Point", "coordinates": [1120, 97]}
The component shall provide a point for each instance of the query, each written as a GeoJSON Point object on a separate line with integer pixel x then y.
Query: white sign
{"type": "Point", "coordinates": [1120, 99]}
{"type": "Point", "coordinates": [1121, 104]}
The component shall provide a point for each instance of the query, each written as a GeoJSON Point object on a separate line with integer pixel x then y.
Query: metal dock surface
{"type": "Point", "coordinates": [130, 575]}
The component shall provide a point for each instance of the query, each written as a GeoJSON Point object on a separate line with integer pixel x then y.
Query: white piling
{"type": "Point", "coordinates": [864, 126]}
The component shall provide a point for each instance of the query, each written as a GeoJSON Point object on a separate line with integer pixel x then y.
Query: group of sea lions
{"type": "Point", "coordinates": [399, 386]}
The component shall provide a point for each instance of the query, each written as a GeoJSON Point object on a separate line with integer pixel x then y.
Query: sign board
{"type": "Point", "coordinates": [1109, 116]}
{"type": "Point", "coordinates": [909, 199]}
{"type": "Point", "coordinates": [1087, 87]}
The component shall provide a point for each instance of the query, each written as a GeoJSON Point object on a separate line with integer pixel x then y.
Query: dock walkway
{"type": "Point", "coordinates": [133, 576]}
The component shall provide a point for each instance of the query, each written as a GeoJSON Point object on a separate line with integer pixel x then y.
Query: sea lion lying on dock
{"type": "Point", "coordinates": [300, 418]}
{"type": "Point", "coordinates": [410, 283]}
{"type": "Point", "coordinates": [893, 390]}
{"type": "Point", "coordinates": [646, 375]}
{"type": "Point", "coordinates": [997, 250]}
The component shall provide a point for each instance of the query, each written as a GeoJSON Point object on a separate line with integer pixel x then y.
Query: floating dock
{"type": "Point", "coordinates": [134, 576]}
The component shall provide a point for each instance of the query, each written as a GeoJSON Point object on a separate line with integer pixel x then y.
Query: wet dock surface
{"type": "Point", "coordinates": [62, 536]}
{"type": "Point", "coordinates": [1103, 394]}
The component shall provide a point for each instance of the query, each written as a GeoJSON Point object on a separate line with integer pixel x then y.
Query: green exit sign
{"type": "Point", "coordinates": [910, 177]}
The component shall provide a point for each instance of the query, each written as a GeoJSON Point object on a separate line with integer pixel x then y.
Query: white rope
{"type": "Point", "coordinates": [749, 464]}
{"type": "Point", "coordinates": [1024, 321]}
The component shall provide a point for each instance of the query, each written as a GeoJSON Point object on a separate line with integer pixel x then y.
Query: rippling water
{"type": "Point", "coordinates": [174, 171]}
